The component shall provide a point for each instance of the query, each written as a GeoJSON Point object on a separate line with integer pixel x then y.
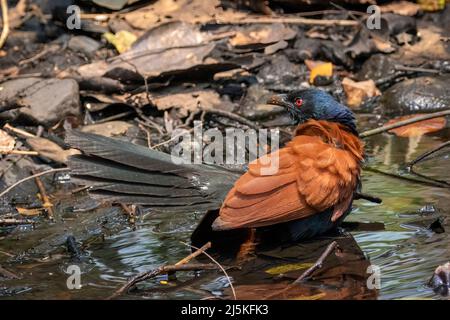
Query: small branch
{"type": "Point", "coordinates": [317, 265]}
{"type": "Point", "coordinates": [428, 153]}
{"type": "Point", "coordinates": [430, 183]}
{"type": "Point", "coordinates": [8, 274]}
{"type": "Point", "coordinates": [32, 177]}
{"type": "Point", "coordinates": [19, 132]}
{"type": "Point", "coordinates": [368, 197]}
{"type": "Point", "coordinates": [20, 152]}
{"type": "Point", "coordinates": [292, 20]}
{"type": "Point", "coordinates": [45, 199]}
{"type": "Point", "coordinates": [13, 222]}
{"type": "Point", "coordinates": [5, 31]}
{"type": "Point", "coordinates": [219, 265]}
{"type": "Point", "coordinates": [232, 116]}
{"type": "Point", "coordinates": [179, 266]}
{"type": "Point", "coordinates": [385, 128]}
{"type": "Point", "coordinates": [194, 254]}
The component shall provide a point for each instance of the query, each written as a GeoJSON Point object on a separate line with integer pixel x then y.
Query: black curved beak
{"type": "Point", "coordinates": [279, 100]}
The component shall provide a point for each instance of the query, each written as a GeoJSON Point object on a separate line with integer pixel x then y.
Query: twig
{"type": "Point", "coordinates": [8, 274]}
{"type": "Point", "coordinates": [13, 222]}
{"type": "Point", "coordinates": [317, 265]}
{"type": "Point", "coordinates": [179, 266]}
{"type": "Point", "coordinates": [402, 123]}
{"type": "Point", "coordinates": [194, 254]}
{"type": "Point", "coordinates": [32, 177]}
{"type": "Point", "coordinates": [430, 182]}
{"type": "Point", "coordinates": [5, 17]}
{"type": "Point", "coordinates": [20, 132]}
{"type": "Point", "coordinates": [368, 197]}
{"type": "Point", "coordinates": [292, 20]}
{"type": "Point", "coordinates": [20, 152]}
{"type": "Point", "coordinates": [115, 117]}
{"type": "Point", "coordinates": [45, 199]}
{"type": "Point", "coordinates": [50, 49]}
{"type": "Point", "coordinates": [219, 265]}
{"type": "Point", "coordinates": [232, 116]}
{"type": "Point", "coordinates": [428, 153]}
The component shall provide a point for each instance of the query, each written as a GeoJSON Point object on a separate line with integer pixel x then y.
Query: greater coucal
{"type": "Point", "coordinates": [311, 193]}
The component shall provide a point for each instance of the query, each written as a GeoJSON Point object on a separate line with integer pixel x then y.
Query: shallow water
{"type": "Point", "coordinates": [406, 251]}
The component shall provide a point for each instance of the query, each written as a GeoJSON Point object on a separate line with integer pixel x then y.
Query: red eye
{"type": "Point", "coordinates": [298, 102]}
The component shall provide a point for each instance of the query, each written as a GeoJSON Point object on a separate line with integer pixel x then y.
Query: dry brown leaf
{"type": "Point", "coordinates": [404, 8]}
{"type": "Point", "coordinates": [6, 141]}
{"type": "Point", "coordinates": [28, 212]}
{"type": "Point", "coordinates": [418, 128]}
{"type": "Point", "coordinates": [430, 47]}
{"type": "Point", "coordinates": [319, 68]}
{"type": "Point", "coordinates": [357, 92]}
{"type": "Point", "coordinates": [188, 101]}
{"type": "Point", "coordinates": [51, 150]}
{"type": "Point", "coordinates": [265, 34]}
{"type": "Point", "coordinates": [108, 129]}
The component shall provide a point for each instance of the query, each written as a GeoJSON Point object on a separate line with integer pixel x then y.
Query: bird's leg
{"type": "Point", "coordinates": [247, 249]}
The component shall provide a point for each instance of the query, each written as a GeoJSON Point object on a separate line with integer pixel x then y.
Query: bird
{"type": "Point", "coordinates": [310, 194]}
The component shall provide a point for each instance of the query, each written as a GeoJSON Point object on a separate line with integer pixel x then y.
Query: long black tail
{"type": "Point", "coordinates": [119, 171]}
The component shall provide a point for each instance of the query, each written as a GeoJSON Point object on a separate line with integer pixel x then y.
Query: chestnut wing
{"type": "Point", "coordinates": [312, 176]}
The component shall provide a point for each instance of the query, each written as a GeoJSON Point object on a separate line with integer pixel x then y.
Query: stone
{"type": "Point", "coordinates": [84, 45]}
{"type": "Point", "coordinates": [43, 101]}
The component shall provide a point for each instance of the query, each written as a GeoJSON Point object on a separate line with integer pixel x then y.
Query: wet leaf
{"type": "Point", "coordinates": [319, 68]}
{"type": "Point", "coordinates": [122, 40]}
{"type": "Point", "coordinates": [418, 128]}
{"type": "Point", "coordinates": [29, 212]}
{"type": "Point", "coordinates": [174, 46]}
{"type": "Point", "coordinates": [265, 34]}
{"type": "Point", "coordinates": [432, 5]}
{"type": "Point", "coordinates": [357, 92]}
{"type": "Point", "coordinates": [188, 101]}
{"type": "Point", "coordinates": [6, 141]}
{"type": "Point", "coordinates": [288, 268]}
{"type": "Point", "coordinates": [404, 8]}
{"type": "Point", "coordinates": [108, 129]}
{"type": "Point", "coordinates": [51, 150]}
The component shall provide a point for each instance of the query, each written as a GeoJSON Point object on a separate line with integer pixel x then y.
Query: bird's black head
{"type": "Point", "coordinates": [314, 104]}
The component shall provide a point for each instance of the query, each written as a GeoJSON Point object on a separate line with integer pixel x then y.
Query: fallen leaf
{"type": "Point", "coordinates": [430, 47]}
{"type": "Point", "coordinates": [6, 141]}
{"type": "Point", "coordinates": [29, 212]}
{"type": "Point", "coordinates": [173, 46]}
{"type": "Point", "coordinates": [265, 34]}
{"type": "Point", "coordinates": [108, 129]}
{"type": "Point", "coordinates": [288, 268]}
{"type": "Point", "coordinates": [431, 5]}
{"type": "Point", "coordinates": [122, 40]}
{"type": "Point", "coordinates": [51, 150]}
{"type": "Point", "coordinates": [404, 8]}
{"type": "Point", "coordinates": [188, 101]}
{"type": "Point", "coordinates": [357, 92]}
{"type": "Point", "coordinates": [319, 68]}
{"type": "Point", "coordinates": [384, 46]}
{"type": "Point", "coordinates": [418, 128]}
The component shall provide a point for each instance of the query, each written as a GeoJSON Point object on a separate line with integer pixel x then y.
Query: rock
{"type": "Point", "coordinates": [440, 281]}
{"type": "Point", "coordinates": [84, 45]}
{"type": "Point", "coordinates": [377, 67]}
{"type": "Point", "coordinates": [281, 72]}
{"type": "Point", "coordinates": [419, 95]}
{"type": "Point", "coordinates": [43, 101]}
